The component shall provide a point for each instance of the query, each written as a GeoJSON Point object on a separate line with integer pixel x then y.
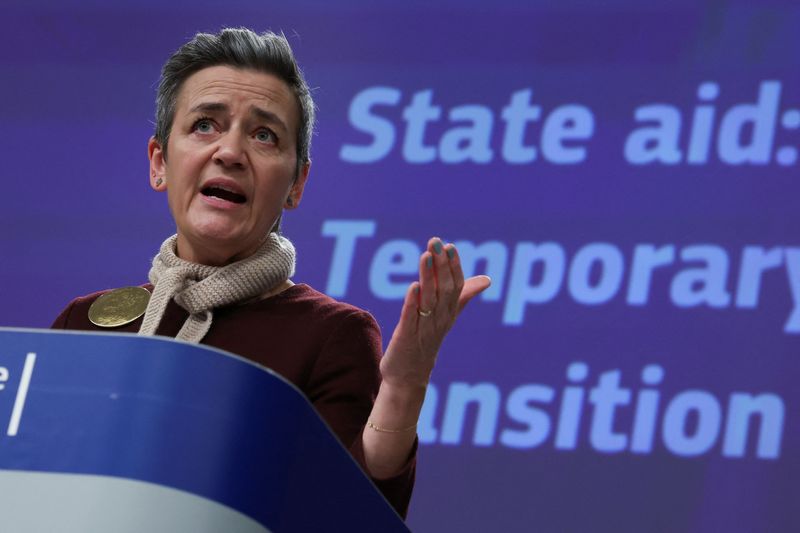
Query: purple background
{"type": "Point", "coordinates": [78, 215]}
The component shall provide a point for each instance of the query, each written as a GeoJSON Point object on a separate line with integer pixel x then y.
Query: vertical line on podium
{"type": "Point", "coordinates": [22, 394]}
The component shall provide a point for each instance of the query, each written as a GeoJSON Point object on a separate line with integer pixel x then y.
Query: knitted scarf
{"type": "Point", "coordinates": [201, 288]}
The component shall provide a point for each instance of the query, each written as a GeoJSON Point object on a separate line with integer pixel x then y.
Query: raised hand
{"type": "Point", "coordinates": [430, 309]}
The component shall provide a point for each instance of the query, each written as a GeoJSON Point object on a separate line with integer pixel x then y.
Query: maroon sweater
{"type": "Point", "coordinates": [328, 349]}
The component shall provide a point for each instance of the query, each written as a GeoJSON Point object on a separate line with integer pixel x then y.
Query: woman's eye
{"type": "Point", "coordinates": [203, 126]}
{"type": "Point", "coordinates": [265, 136]}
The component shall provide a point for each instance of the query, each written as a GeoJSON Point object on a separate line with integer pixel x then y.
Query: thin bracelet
{"type": "Point", "coordinates": [384, 430]}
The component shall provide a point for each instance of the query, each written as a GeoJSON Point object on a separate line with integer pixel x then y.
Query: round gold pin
{"type": "Point", "coordinates": [119, 307]}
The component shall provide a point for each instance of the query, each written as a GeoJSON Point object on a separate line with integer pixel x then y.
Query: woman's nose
{"type": "Point", "coordinates": [230, 151]}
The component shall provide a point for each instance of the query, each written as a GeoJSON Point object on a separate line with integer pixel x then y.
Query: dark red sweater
{"type": "Point", "coordinates": [330, 350]}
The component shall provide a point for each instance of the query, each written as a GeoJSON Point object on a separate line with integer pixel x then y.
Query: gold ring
{"type": "Point", "coordinates": [423, 313]}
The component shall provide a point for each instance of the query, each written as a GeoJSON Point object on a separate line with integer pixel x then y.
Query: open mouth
{"type": "Point", "coordinates": [224, 194]}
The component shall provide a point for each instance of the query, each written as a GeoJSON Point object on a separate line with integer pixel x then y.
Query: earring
{"type": "Point", "coordinates": [159, 181]}
{"type": "Point", "coordinates": [289, 201]}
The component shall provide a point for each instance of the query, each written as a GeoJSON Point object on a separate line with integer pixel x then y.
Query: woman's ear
{"type": "Point", "coordinates": [296, 192]}
{"type": "Point", "coordinates": [158, 174]}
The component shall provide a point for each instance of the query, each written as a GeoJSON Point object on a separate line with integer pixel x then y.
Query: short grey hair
{"type": "Point", "coordinates": [242, 48]}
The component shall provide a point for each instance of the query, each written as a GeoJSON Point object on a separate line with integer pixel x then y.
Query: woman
{"type": "Point", "coordinates": [231, 150]}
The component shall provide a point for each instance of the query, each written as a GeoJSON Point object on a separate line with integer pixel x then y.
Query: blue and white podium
{"type": "Point", "coordinates": [118, 433]}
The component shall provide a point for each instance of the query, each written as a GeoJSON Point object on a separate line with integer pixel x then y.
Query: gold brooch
{"type": "Point", "coordinates": [119, 307]}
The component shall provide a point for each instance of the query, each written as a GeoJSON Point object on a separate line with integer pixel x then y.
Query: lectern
{"type": "Point", "coordinates": [119, 433]}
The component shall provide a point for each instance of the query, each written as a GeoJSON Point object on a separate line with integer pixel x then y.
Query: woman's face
{"type": "Point", "coordinates": [231, 162]}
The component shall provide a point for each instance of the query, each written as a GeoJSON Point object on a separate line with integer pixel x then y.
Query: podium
{"type": "Point", "coordinates": [119, 433]}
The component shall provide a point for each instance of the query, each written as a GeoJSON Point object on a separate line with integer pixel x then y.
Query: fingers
{"type": "Point", "coordinates": [427, 283]}
{"type": "Point", "coordinates": [442, 285]}
{"type": "Point", "coordinates": [443, 276]}
{"type": "Point", "coordinates": [473, 287]}
{"type": "Point", "coordinates": [457, 275]}
{"type": "Point", "coordinates": [408, 315]}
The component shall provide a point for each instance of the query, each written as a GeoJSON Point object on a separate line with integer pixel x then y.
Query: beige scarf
{"type": "Point", "coordinates": [201, 288]}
